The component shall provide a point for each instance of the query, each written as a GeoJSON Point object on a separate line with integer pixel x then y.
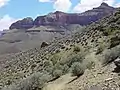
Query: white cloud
{"type": "Point", "coordinates": [6, 21]}
{"type": "Point", "coordinates": [60, 5]}
{"type": "Point", "coordinates": [85, 5]}
{"type": "Point", "coordinates": [110, 2]}
{"type": "Point", "coordinates": [44, 1]}
{"type": "Point", "coordinates": [3, 2]}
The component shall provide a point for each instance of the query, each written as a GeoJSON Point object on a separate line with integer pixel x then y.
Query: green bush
{"type": "Point", "coordinates": [49, 69]}
{"type": "Point", "coordinates": [75, 58]}
{"type": "Point", "coordinates": [89, 64]}
{"type": "Point", "coordinates": [77, 69]}
{"type": "Point", "coordinates": [114, 41]}
{"type": "Point", "coordinates": [48, 63]}
{"type": "Point", "coordinates": [55, 58]}
{"type": "Point", "coordinates": [65, 69]}
{"type": "Point", "coordinates": [110, 55]}
{"type": "Point", "coordinates": [99, 50]}
{"type": "Point", "coordinates": [89, 61]}
{"type": "Point", "coordinates": [111, 30]}
{"type": "Point", "coordinates": [33, 82]}
{"type": "Point", "coordinates": [57, 73]}
{"type": "Point", "coordinates": [76, 49]}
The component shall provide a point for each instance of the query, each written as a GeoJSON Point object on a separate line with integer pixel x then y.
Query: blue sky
{"type": "Point", "coordinates": [23, 8]}
{"type": "Point", "coordinates": [12, 10]}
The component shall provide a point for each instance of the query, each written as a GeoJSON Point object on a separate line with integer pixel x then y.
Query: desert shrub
{"type": "Point", "coordinates": [111, 29]}
{"type": "Point", "coordinates": [36, 81]}
{"type": "Point", "coordinates": [99, 27]}
{"type": "Point", "coordinates": [103, 44]}
{"type": "Point", "coordinates": [58, 66]}
{"type": "Point", "coordinates": [48, 63]}
{"type": "Point", "coordinates": [48, 66]}
{"type": "Point", "coordinates": [75, 58]}
{"type": "Point", "coordinates": [89, 61]}
{"type": "Point", "coordinates": [55, 58]}
{"type": "Point", "coordinates": [76, 49]}
{"type": "Point", "coordinates": [33, 82]}
{"type": "Point", "coordinates": [77, 69]}
{"type": "Point", "coordinates": [57, 70]}
{"type": "Point", "coordinates": [118, 22]}
{"type": "Point", "coordinates": [110, 55]}
{"type": "Point", "coordinates": [108, 31]}
{"type": "Point", "coordinates": [114, 19]}
{"type": "Point", "coordinates": [114, 41]}
{"type": "Point", "coordinates": [65, 69]}
{"type": "Point", "coordinates": [99, 50]}
{"type": "Point", "coordinates": [57, 73]}
{"type": "Point", "coordinates": [117, 12]}
{"type": "Point", "coordinates": [49, 69]}
{"type": "Point", "coordinates": [89, 64]}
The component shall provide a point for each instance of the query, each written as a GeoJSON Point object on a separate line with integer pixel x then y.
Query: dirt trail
{"type": "Point", "coordinates": [102, 77]}
{"type": "Point", "coordinates": [60, 83]}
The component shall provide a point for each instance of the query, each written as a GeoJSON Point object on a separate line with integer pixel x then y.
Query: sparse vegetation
{"type": "Point", "coordinates": [65, 69]}
{"type": "Point", "coordinates": [48, 63]}
{"type": "Point", "coordinates": [114, 41]}
{"type": "Point", "coordinates": [102, 45]}
{"type": "Point", "coordinates": [110, 55]}
{"type": "Point", "coordinates": [76, 49]}
{"type": "Point", "coordinates": [75, 58]}
{"type": "Point", "coordinates": [89, 61]}
{"type": "Point", "coordinates": [33, 82]}
{"type": "Point", "coordinates": [55, 58]}
{"type": "Point", "coordinates": [99, 50]}
{"type": "Point", "coordinates": [57, 73]}
{"type": "Point", "coordinates": [77, 69]}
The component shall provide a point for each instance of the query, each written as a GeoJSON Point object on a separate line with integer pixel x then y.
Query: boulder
{"type": "Point", "coordinates": [44, 44]}
{"type": "Point", "coordinates": [117, 62]}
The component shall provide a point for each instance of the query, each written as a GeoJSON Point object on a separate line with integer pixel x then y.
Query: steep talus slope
{"type": "Point", "coordinates": [96, 38]}
{"type": "Point", "coordinates": [102, 78]}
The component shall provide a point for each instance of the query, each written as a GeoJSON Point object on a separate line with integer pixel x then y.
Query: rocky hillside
{"type": "Point", "coordinates": [62, 19]}
{"type": "Point", "coordinates": [82, 54]}
{"type": "Point", "coordinates": [14, 41]}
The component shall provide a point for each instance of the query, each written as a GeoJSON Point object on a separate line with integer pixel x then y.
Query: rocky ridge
{"type": "Point", "coordinates": [59, 18]}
